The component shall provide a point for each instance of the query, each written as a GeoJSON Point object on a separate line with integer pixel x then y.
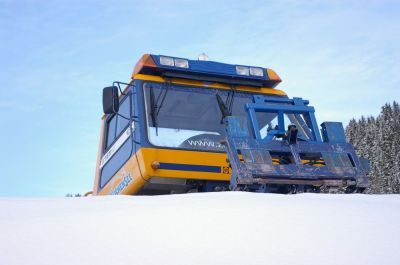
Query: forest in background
{"type": "Point", "coordinates": [378, 140]}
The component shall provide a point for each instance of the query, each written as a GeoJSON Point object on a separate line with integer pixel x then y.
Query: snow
{"type": "Point", "coordinates": [208, 228]}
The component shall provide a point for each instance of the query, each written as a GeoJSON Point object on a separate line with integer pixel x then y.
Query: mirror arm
{"type": "Point", "coordinates": [118, 84]}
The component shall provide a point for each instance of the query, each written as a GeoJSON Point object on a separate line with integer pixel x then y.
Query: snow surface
{"type": "Point", "coordinates": [213, 228]}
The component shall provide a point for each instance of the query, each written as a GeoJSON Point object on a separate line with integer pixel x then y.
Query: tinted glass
{"type": "Point", "coordinates": [111, 130]}
{"type": "Point", "coordinates": [189, 118]}
{"type": "Point", "coordinates": [122, 123]}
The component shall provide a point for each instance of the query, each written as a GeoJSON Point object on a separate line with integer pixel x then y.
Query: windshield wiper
{"type": "Point", "coordinates": [154, 107]}
{"type": "Point", "coordinates": [226, 107]}
{"type": "Point", "coordinates": [223, 108]}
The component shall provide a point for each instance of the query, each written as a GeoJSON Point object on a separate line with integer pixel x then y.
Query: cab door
{"type": "Point", "coordinates": [117, 146]}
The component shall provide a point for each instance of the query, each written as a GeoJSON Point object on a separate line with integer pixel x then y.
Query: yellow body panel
{"type": "Point", "coordinates": [129, 169]}
{"type": "Point", "coordinates": [146, 156]}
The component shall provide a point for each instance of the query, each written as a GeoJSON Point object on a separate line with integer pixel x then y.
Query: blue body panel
{"type": "Point", "coordinates": [333, 132]}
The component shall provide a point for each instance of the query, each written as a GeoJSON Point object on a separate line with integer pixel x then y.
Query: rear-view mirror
{"type": "Point", "coordinates": [110, 100]}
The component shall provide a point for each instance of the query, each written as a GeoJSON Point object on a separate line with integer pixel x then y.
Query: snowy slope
{"type": "Point", "coordinates": [213, 228]}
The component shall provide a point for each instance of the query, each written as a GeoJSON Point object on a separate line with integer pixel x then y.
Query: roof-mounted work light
{"type": "Point", "coordinates": [181, 63]}
{"type": "Point", "coordinates": [168, 61]}
{"type": "Point", "coordinates": [256, 71]}
{"type": "Point", "coordinates": [242, 70]}
{"type": "Point", "coordinates": [177, 62]}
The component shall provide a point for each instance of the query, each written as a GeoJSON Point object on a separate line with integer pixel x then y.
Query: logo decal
{"type": "Point", "coordinates": [125, 182]}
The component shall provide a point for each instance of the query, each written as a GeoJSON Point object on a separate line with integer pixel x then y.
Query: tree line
{"type": "Point", "coordinates": [378, 140]}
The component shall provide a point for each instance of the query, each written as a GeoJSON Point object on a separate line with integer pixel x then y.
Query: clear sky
{"type": "Point", "coordinates": [56, 56]}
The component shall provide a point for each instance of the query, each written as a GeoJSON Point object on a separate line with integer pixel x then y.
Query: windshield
{"type": "Point", "coordinates": [190, 118]}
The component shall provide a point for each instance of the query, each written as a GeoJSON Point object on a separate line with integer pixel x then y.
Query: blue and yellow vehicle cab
{"type": "Point", "coordinates": [164, 131]}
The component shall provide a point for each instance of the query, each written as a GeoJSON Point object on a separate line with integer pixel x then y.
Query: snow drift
{"type": "Point", "coordinates": [209, 228]}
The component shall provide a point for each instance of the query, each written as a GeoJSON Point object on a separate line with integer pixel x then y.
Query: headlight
{"type": "Point", "coordinates": [166, 61]}
{"type": "Point", "coordinates": [256, 71]}
{"type": "Point", "coordinates": [242, 70]}
{"type": "Point", "coordinates": [181, 63]}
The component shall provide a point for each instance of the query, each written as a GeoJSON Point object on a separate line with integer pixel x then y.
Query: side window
{"type": "Point", "coordinates": [117, 124]}
{"type": "Point", "coordinates": [122, 123]}
{"type": "Point", "coordinates": [111, 124]}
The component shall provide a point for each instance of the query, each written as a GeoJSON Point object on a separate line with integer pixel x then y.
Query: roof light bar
{"type": "Point", "coordinates": [206, 70]}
